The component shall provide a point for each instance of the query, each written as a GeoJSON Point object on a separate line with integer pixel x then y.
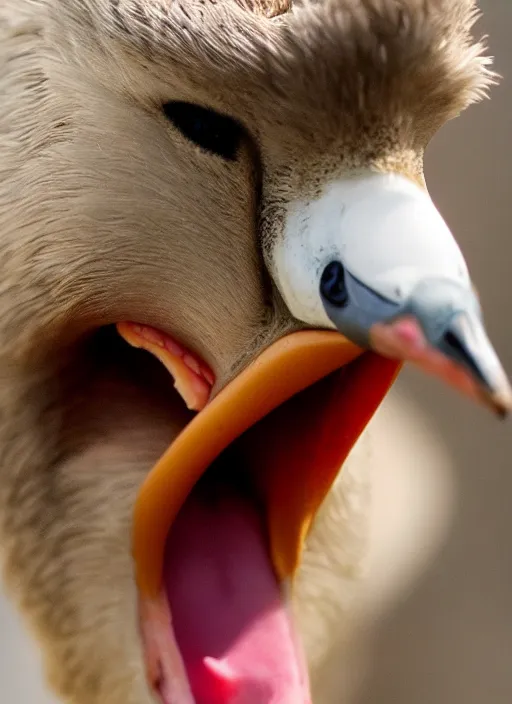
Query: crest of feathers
{"type": "Point", "coordinates": [355, 60]}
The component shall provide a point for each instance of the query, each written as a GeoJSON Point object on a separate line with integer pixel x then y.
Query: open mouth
{"type": "Point", "coordinates": [221, 520]}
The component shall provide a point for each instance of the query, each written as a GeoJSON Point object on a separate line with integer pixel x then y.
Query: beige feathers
{"type": "Point", "coordinates": [108, 213]}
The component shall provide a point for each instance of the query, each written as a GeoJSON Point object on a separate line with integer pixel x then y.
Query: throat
{"type": "Point", "coordinates": [230, 620]}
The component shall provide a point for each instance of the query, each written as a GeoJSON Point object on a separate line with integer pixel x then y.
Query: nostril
{"type": "Point", "coordinates": [332, 284]}
{"type": "Point", "coordinates": [454, 343]}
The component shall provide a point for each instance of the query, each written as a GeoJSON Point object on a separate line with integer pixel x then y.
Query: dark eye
{"type": "Point", "coordinates": [208, 129]}
{"type": "Point", "coordinates": [332, 284]}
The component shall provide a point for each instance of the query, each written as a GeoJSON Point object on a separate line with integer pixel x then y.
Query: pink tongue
{"type": "Point", "coordinates": [232, 627]}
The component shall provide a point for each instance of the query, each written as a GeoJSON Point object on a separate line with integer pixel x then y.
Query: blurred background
{"type": "Point", "coordinates": [449, 640]}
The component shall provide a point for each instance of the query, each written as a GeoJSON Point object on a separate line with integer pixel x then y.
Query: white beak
{"type": "Point", "coordinates": [373, 250]}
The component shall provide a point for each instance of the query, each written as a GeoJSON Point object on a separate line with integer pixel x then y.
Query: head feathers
{"type": "Point", "coordinates": [267, 8]}
{"type": "Point", "coordinates": [408, 64]}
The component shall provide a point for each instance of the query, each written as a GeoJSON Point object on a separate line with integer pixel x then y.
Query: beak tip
{"type": "Point", "coordinates": [501, 402]}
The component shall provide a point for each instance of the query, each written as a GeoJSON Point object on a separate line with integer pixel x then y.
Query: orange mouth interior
{"type": "Point", "coordinates": [295, 413]}
{"type": "Point", "coordinates": [313, 448]}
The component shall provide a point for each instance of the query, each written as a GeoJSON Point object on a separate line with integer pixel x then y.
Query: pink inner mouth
{"type": "Point", "coordinates": [230, 620]}
{"type": "Point", "coordinates": [221, 633]}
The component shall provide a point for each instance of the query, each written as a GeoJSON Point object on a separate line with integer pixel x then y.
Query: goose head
{"type": "Point", "coordinates": [229, 186]}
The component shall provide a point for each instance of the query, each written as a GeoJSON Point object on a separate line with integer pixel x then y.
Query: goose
{"type": "Point", "coordinates": [217, 251]}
